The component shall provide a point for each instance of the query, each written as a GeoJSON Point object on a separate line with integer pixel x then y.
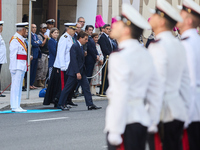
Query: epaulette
{"type": "Point", "coordinates": [155, 41]}
{"type": "Point", "coordinates": [117, 50]}
{"type": "Point", "coordinates": [183, 39]}
{"type": "Point", "coordinates": [65, 36]}
{"type": "Point", "coordinates": [14, 37]}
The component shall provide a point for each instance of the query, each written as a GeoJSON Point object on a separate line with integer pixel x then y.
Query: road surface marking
{"type": "Point", "coordinates": [48, 119]}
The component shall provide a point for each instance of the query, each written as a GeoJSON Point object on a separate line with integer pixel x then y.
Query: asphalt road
{"type": "Point", "coordinates": [77, 129]}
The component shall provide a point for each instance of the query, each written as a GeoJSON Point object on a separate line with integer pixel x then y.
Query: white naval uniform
{"type": "Point", "coordinates": [3, 58]}
{"type": "Point", "coordinates": [63, 51]}
{"type": "Point", "coordinates": [17, 69]}
{"type": "Point", "coordinates": [47, 32]}
{"type": "Point", "coordinates": [133, 82]}
{"type": "Point", "coordinates": [170, 60]}
{"type": "Point", "coordinates": [192, 39]}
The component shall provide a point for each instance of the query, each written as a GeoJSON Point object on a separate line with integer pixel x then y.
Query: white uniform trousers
{"type": "Point", "coordinates": [16, 88]}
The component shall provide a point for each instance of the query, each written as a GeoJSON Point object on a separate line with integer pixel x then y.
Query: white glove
{"type": "Point", "coordinates": [153, 129]}
{"type": "Point", "coordinates": [13, 71]}
{"type": "Point", "coordinates": [63, 69]}
{"type": "Point", "coordinates": [114, 139]}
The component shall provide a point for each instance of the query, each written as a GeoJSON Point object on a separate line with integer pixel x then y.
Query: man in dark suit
{"type": "Point", "coordinates": [106, 46]}
{"type": "Point", "coordinates": [92, 54]}
{"type": "Point", "coordinates": [35, 50]}
{"type": "Point", "coordinates": [76, 71]}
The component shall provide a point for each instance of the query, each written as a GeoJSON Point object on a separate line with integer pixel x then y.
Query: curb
{"type": "Point", "coordinates": [26, 104]}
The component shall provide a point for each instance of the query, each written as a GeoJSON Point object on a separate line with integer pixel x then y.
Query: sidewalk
{"type": "Point", "coordinates": [35, 99]}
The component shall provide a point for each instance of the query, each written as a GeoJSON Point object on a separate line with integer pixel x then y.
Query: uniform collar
{"type": "Point", "coordinates": [19, 36]}
{"type": "Point", "coordinates": [128, 42]}
{"type": "Point", "coordinates": [164, 34]}
{"type": "Point", "coordinates": [189, 32]}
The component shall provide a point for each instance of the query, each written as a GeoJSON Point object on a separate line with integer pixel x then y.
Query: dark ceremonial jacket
{"type": "Point", "coordinates": [77, 60]}
{"type": "Point", "coordinates": [91, 52]}
{"type": "Point", "coordinates": [105, 45]}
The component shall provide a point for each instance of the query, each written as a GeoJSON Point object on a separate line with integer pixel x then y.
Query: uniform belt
{"type": "Point", "coordinates": [21, 57]}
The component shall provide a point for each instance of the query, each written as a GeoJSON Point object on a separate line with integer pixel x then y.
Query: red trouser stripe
{"type": "Point", "coordinates": [185, 140]}
{"type": "Point", "coordinates": [158, 144]}
{"type": "Point", "coordinates": [62, 80]}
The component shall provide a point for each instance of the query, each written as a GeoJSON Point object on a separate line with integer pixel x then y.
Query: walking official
{"type": "Point", "coordinates": [18, 66]}
{"type": "Point", "coordinates": [76, 71]}
{"type": "Point", "coordinates": [171, 64]}
{"type": "Point", "coordinates": [59, 77]}
{"type": "Point", "coordinates": [3, 58]}
{"type": "Point", "coordinates": [133, 82]}
{"type": "Point", "coordinates": [190, 38]}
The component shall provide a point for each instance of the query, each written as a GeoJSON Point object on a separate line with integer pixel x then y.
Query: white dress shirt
{"type": "Point", "coordinates": [3, 58]}
{"type": "Point", "coordinates": [171, 64]}
{"type": "Point", "coordinates": [133, 82]}
{"type": "Point", "coordinates": [47, 32]}
{"type": "Point", "coordinates": [191, 43]}
{"type": "Point", "coordinates": [63, 51]}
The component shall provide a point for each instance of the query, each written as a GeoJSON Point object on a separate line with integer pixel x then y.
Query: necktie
{"type": "Point", "coordinates": [34, 37]}
{"type": "Point", "coordinates": [110, 42]}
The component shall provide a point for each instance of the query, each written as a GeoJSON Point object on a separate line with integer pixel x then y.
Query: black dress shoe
{"type": "Point", "coordinates": [24, 89]}
{"type": "Point", "coordinates": [63, 108]}
{"type": "Point", "coordinates": [2, 95]}
{"type": "Point", "coordinates": [55, 100]}
{"type": "Point", "coordinates": [93, 107]}
{"type": "Point", "coordinates": [72, 104]}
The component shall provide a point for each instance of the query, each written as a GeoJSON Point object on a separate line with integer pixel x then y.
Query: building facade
{"type": "Point", "coordinates": [12, 11]}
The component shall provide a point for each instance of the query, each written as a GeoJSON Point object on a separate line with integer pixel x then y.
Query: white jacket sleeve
{"type": "Point", "coordinates": [61, 51]}
{"type": "Point", "coordinates": [117, 94]}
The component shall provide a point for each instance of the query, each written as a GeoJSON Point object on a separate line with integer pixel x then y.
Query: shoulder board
{"type": "Point", "coordinates": [65, 36]}
{"type": "Point", "coordinates": [183, 39]}
{"type": "Point", "coordinates": [13, 37]}
{"type": "Point", "coordinates": [117, 50]}
{"type": "Point", "coordinates": [155, 41]}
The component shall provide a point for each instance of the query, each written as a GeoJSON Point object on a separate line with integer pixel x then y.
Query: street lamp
{"type": "Point", "coordinates": [29, 47]}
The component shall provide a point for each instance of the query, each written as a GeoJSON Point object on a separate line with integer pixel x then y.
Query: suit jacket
{"type": "Point", "coordinates": [105, 45]}
{"type": "Point", "coordinates": [35, 50]}
{"type": "Point", "coordinates": [91, 52]}
{"type": "Point", "coordinates": [77, 60]}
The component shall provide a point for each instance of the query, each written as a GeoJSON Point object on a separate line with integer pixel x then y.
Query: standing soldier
{"type": "Point", "coordinates": [50, 25]}
{"type": "Point", "coordinates": [3, 58]}
{"type": "Point", "coordinates": [18, 65]}
{"type": "Point", "coordinates": [191, 20]}
{"type": "Point", "coordinates": [171, 64]}
{"type": "Point", "coordinates": [133, 83]}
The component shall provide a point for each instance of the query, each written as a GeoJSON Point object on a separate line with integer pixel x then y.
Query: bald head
{"type": "Point", "coordinates": [78, 28]}
{"type": "Point", "coordinates": [33, 28]}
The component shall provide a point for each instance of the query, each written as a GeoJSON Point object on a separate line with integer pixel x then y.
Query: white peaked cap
{"type": "Point", "coordinates": [24, 24]}
{"type": "Point", "coordinates": [1, 22]}
{"type": "Point", "coordinates": [191, 7]}
{"type": "Point", "coordinates": [134, 16]}
{"type": "Point", "coordinates": [164, 9]}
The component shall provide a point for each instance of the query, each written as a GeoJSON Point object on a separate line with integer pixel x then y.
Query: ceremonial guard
{"type": "Point", "coordinates": [50, 25]}
{"type": "Point", "coordinates": [58, 77]}
{"type": "Point", "coordinates": [3, 58]}
{"type": "Point", "coordinates": [190, 39]}
{"type": "Point", "coordinates": [18, 65]}
{"type": "Point", "coordinates": [133, 83]}
{"type": "Point", "coordinates": [171, 64]}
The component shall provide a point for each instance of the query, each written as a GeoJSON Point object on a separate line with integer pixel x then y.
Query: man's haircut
{"type": "Point", "coordinates": [136, 32]}
{"type": "Point", "coordinates": [106, 25]}
{"type": "Point", "coordinates": [94, 34]}
{"type": "Point", "coordinates": [170, 24]}
{"type": "Point", "coordinates": [79, 18]}
{"type": "Point", "coordinates": [89, 26]}
{"type": "Point", "coordinates": [81, 34]}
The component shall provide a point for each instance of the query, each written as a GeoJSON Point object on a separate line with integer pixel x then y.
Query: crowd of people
{"type": "Point", "coordinates": [153, 93]}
